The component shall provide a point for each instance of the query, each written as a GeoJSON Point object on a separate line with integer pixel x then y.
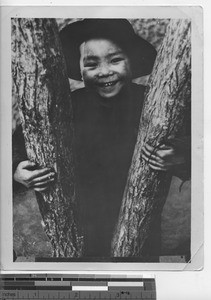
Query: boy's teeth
{"type": "Point", "coordinates": [108, 83]}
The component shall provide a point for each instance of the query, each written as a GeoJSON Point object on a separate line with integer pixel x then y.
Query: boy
{"type": "Point", "coordinates": [106, 55]}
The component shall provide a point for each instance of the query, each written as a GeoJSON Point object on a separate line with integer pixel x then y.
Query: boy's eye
{"type": "Point", "coordinates": [90, 65]}
{"type": "Point", "coordinates": [117, 59]}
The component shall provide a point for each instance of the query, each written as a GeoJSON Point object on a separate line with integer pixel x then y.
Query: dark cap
{"type": "Point", "coordinates": [140, 52]}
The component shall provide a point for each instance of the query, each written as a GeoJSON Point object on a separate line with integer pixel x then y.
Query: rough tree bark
{"type": "Point", "coordinates": [167, 102]}
{"type": "Point", "coordinates": [43, 95]}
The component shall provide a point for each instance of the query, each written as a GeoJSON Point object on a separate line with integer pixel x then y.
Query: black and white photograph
{"type": "Point", "coordinates": [105, 149]}
{"type": "Point", "coordinates": [102, 127]}
{"type": "Point", "coordinates": [101, 139]}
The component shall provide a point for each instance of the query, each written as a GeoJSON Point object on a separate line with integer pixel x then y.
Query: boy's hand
{"type": "Point", "coordinates": [32, 177]}
{"type": "Point", "coordinates": [164, 158]}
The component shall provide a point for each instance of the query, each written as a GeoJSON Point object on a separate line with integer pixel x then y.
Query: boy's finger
{"type": "Point", "coordinates": [165, 147]}
{"type": "Point", "coordinates": [145, 157]}
{"type": "Point", "coordinates": [153, 157]}
{"type": "Point", "coordinates": [157, 168]}
{"type": "Point", "coordinates": [152, 162]}
{"type": "Point", "coordinates": [43, 183]}
{"type": "Point", "coordinates": [39, 189]}
{"type": "Point", "coordinates": [158, 159]}
{"type": "Point", "coordinates": [149, 151]}
{"type": "Point", "coordinates": [26, 164]}
{"type": "Point", "coordinates": [146, 152]}
{"type": "Point", "coordinates": [148, 157]}
{"type": "Point", "coordinates": [40, 172]}
{"type": "Point", "coordinates": [149, 148]}
{"type": "Point", "coordinates": [47, 177]}
{"type": "Point", "coordinates": [162, 146]}
{"type": "Point", "coordinates": [156, 164]}
{"type": "Point", "coordinates": [164, 153]}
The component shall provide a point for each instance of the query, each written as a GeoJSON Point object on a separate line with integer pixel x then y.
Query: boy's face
{"type": "Point", "coordinates": [105, 68]}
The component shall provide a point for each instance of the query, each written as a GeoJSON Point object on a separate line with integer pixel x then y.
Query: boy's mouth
{"type": "Point", "coordinates": [107, 84]}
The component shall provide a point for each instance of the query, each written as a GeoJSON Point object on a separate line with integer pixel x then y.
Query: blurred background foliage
{"type": "Point", "coordinates": [29, 237]}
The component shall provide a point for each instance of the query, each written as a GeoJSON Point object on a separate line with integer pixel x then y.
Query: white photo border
{"type": "Point", "coordinates": [6, 236]}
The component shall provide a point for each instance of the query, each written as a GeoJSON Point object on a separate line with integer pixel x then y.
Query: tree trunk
{"type": "Point", "coordinates": [42, 90]}
{"type": "Point", "coordinates": [167, 102]}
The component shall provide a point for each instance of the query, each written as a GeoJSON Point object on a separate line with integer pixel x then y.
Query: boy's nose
{"type": "Point", "coordinates": [104, 70]}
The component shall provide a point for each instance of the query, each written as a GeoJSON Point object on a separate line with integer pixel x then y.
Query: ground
{"type": "Point", "coordinates": [30, 239]}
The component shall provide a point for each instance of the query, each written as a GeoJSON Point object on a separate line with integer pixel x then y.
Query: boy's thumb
{"type": "Point", "coordinates": [27, 163]}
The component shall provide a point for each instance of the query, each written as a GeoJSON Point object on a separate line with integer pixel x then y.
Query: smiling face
{"type": "Point", "coordinates": [105, 68]}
